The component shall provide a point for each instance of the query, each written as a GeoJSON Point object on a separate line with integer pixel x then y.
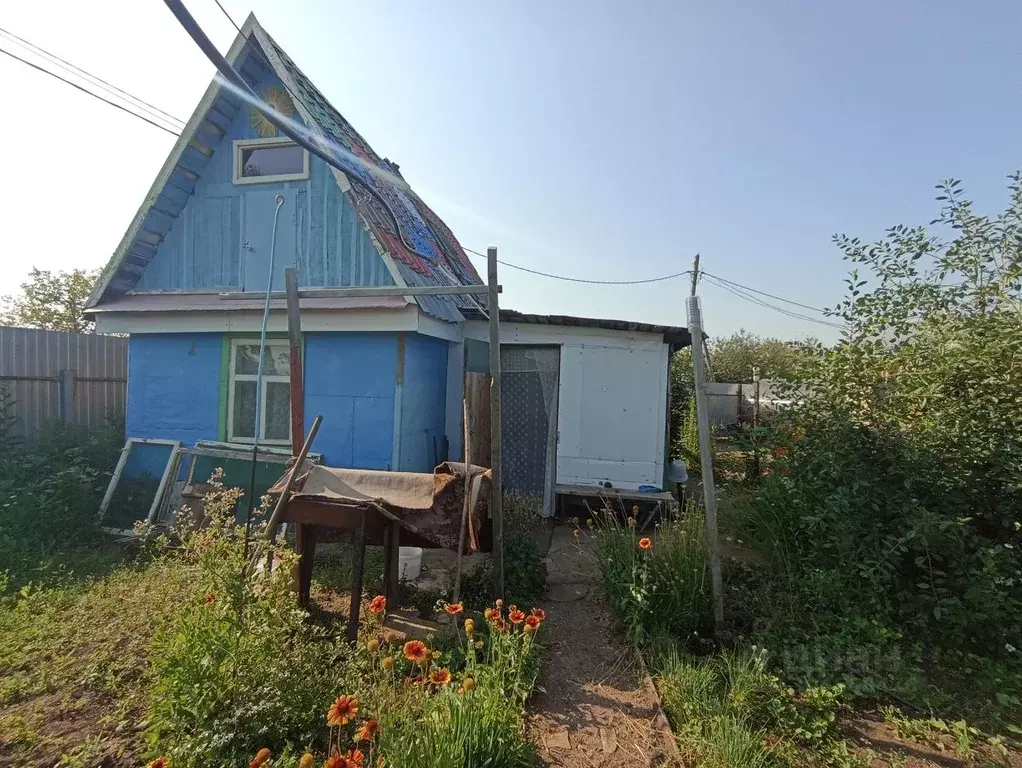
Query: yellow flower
{"type": "Point", "coordinates": [262, 756]}
{"type": "Point", "coordinates": [160, 762]}
{"type": "Point", "coordinates": [306, 761]}
{"type": "Point", "coordinates": [388, 663]}
{"type": "Point", "coordinates": [468, 683]}
{"type": "Point", "coordinates": [373, 645]}
{"type": "Point", "coordinates": [437, 654]}
{"type": "Point", "coordinates": [631, 522]}
{"type": "Point", "coordinates": [470, 626]}
{"type": "Point", "coordinates": [479, 644]}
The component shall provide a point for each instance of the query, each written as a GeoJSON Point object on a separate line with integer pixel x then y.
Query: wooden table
{"type": "Point", "coordinates": [368, 527]}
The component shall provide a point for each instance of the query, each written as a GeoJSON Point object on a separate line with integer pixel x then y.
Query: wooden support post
{"type": "Point", "coordinates": [391, 559]}
{"type": "Point", "coordinates": [358, 563]}
{"type": "Point", "coordinates": [294, 337]}
{"type": "Point", "coordinates": [695, 327]}
{"type": "Point", "coordinates": [496, 489]}
{"type": "Point", "coordinates": [466, 504]}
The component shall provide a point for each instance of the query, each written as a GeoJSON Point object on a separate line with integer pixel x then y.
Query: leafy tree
{"type": "Point", "coordinates": [734, 357]}
{"type": "Point", "coordinates": [53, 301]}
{"type": "Point", "coordinates": [900, 497]}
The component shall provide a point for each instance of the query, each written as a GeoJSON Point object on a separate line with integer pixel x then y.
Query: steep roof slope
{"type": "Point", "coordinates": [421, 249]}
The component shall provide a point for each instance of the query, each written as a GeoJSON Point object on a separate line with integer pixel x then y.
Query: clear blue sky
{"type": "Point", "coordinates": [585, 138]}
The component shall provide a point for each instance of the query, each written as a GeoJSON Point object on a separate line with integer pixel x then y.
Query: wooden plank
{"type": "Point", "coordinates": [391, 559]}
{"type": "Point", "coordinates": [294, 335]}
{"type": "Point", "coordinates": [364, 292]}
{"type": "Point", "coordinates": [358, 561]}
{"type": "Point", "coordinates": [496, 502]}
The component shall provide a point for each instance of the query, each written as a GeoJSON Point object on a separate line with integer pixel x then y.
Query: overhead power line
{"type": "Point", "coordinates": [582, 279]}
{"type": "Point", "coordinates": [764, 293]}
{"type": "Point", "coordinates": [110, 88]}
{"type": "Point", "coordinates": [749, 297]}
{"type": "Point", "coordinates": [90, 93]}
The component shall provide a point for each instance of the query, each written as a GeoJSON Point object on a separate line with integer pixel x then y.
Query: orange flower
{"type": "Point", "coordinates": [499, 624]}
{"type": "Point", "coordinates": [306, 761]}
{"type": "Point", "coordinates": [261, 757]}
{"type": "Point", "coordinates": [367, 731]}
{"type": "Point", "coordinates": [390, 637]}
{"type": "Point", "coordinates": [440, 676]}
{"type": "Point", "coordinates": [532, 622]}
{"type": "Point", "coordinates": [416, 651]}
{"type": "Point", "coordinates": [417, 680]}
{"type": "Point", "coordinates": [645, 543]}
{"type": "Point", "coordinates": [539, 613]}
{"type": "Point", "coordinates": [342, 711]}
{"type": "Point", "coordinates": [160, 762]}
{"type": "Point", "coordinates": [378, 604]}
{"type": "Point", "coordinates": [780, 452]}
{"type": "Point", "coordinates": [336, 761]}
{"type": "Point", "coordinates": [516, 616]}
{"type": "Point", "coordinates": [355, 758]}
{"type": "Point", "coordinates": [210, 598]}
{"type": "Point", "coordinates": [454, 608]}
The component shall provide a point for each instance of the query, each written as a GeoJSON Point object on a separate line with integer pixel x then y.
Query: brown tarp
{"type": "Point", "coordinates": [429, 504]}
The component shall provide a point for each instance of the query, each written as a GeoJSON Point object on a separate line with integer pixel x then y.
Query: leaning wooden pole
{"type": "Point", "coordinates": [496, 502]}
{"type": "Point", "coordinates": [695, 327]}
{"type": "Point", "coordinates": [294, 337]}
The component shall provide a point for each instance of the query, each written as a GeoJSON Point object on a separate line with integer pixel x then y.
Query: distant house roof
{"type": "Point", "coordinates": [422, 249]}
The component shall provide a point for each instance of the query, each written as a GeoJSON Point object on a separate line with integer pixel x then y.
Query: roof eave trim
{"type": "Point", "coordinates": [209, 97]}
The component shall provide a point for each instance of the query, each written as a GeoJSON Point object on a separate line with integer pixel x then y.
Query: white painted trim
{"type": "Point", "coordinates": [404, 319]}
{"type": "Point", "coordinates": [233, 377]}
{"type": "Point", "coordinates": [440, 329]}
{"type": "Point", "coordinates": [240, 145]}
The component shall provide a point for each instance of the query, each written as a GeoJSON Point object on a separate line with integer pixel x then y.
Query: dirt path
{"type": "Point", "coordinates": [594, 707]}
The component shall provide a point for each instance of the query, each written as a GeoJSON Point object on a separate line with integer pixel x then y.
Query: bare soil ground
{"type": "Point", "coordinates": [596, 706]}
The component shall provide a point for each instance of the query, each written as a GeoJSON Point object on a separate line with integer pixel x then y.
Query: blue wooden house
{"type": "Point", "coordinates": [585, 400]}
{"type": "Point", "coordinates": [385, 373]}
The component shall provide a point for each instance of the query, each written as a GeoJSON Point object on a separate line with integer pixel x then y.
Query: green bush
{"type": "Point", "coordinates": [896, 493]}
{"type": "Point", "coordinates": [524, 570]}
{"type": "Point", "coordinates": [51, 489]}
{"type": "Point", "coordinates": [239, 668]}
{"type": "Point", "coordinates": [663, 589]}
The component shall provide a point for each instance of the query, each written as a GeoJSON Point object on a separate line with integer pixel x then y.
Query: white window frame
{"type": "Point", "coordinates": [233, 378]}
{"type": "Point", "coordinates": [242, 144]}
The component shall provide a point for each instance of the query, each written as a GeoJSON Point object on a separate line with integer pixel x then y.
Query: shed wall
{"type": "Point", "coordinates": [422, 426]}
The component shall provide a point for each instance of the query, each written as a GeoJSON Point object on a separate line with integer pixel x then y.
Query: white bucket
{"type": "Point", "coordinates": [409, 563]}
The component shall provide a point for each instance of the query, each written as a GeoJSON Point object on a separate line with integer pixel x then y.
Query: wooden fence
{"type": "Point", "coordinates": [72, 377]}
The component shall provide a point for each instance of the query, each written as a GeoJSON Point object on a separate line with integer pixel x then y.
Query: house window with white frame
{"type": "Point", "coordinates": [275, 417]}
{"type": "Point", "coordinates": [263, 160]}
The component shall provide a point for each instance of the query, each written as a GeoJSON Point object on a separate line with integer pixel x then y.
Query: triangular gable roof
{"type": "Point", "coordinates": [418, 248]}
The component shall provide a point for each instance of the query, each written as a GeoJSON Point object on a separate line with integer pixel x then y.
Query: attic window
{"type": "Point", "coordinates": [257, 161]}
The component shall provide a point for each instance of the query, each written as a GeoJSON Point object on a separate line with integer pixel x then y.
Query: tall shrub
{"type": "Point", "coordinates": [900, 493]}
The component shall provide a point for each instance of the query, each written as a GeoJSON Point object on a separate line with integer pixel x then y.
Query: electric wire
{"type": "Point", "coordinates": [582, 279]}
{"type": "Point", "coordinates": [110, 88]}
{"type": "Point", "coordinates": [764, 293]}
{"type": "Point", "coordinates": [748, 297]}
{"type": "Point", "coordinates": [90, 93]}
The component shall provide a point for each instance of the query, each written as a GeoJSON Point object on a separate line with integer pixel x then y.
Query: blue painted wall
{"type": "Point", "coordinates": [350, 381]}
{"type": "Point", "coordinates": [318, 230]}
{"type": "Point", "coordinates": [173, 394]}
{"type": "Point", "coordinates": [423, 404]}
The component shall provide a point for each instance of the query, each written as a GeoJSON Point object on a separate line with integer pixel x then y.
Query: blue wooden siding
{"type": "Point", "coordinates": [349, 380]}
{"type": "Point", "coordinates": [423, 404]}
{"type": "Point", "coordinates": [318, 231]}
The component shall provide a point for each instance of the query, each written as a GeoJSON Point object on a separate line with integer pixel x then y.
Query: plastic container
{"type": "Point", "coordinates": [409, 563]}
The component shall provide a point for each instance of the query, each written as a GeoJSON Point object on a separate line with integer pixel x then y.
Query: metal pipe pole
{"type": "Point", "coordinates": [695, 327]}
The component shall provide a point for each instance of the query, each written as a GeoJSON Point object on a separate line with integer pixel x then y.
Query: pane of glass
{"type": "Point", "coordinates": [244, 409]}
{"type": "Point", "coordinates": [278, 411]}
{"type": "Point", "coordinates": [275, 361]}
{"type": "Point", "coordinates": [272, 161]}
